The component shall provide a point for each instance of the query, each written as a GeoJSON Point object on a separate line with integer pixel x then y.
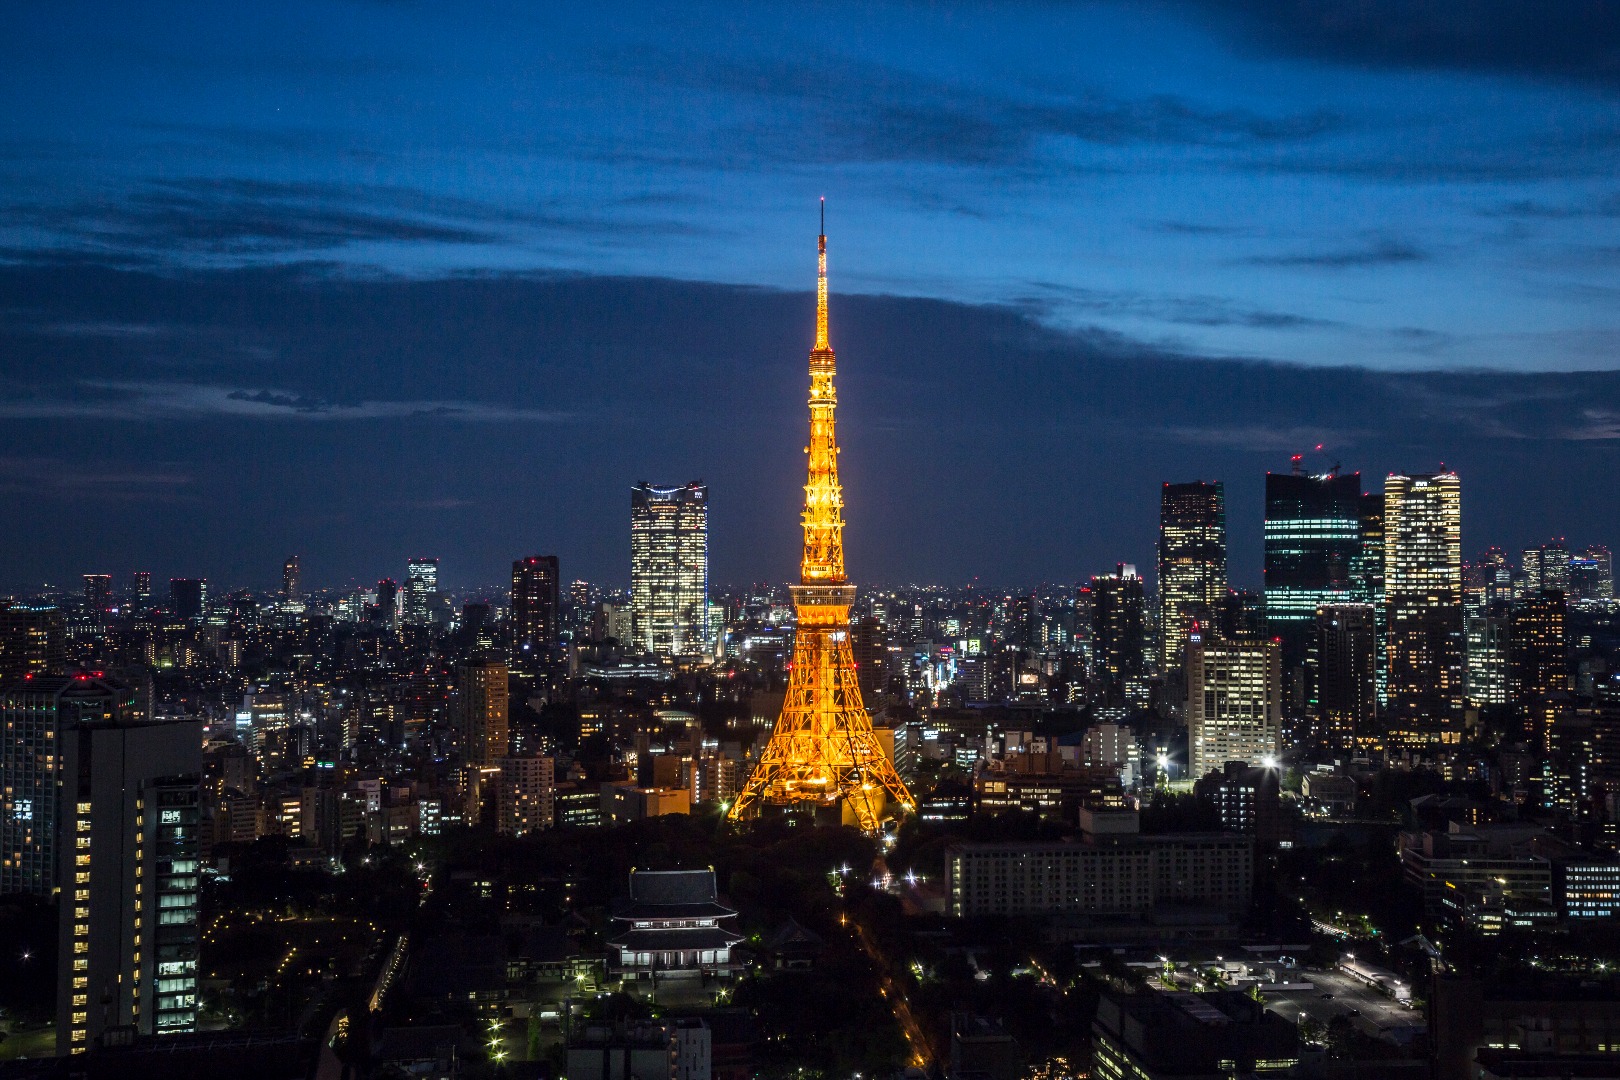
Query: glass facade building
{"type": "Point", "coordinates": [1313, 551]}
{"type": "Point", "coordinates": [669, 569]}
{"type": "Point", "coordinates": [1192, 563]}
{"type": "Point", "coordinates": [1423, 596]}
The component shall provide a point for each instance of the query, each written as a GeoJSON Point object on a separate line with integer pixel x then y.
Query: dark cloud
{"type": "Point", "coordinates": [1383, 253]}
{"type": "Point", "coordinates": [246, 217]}
{"type": "Point", "coordinates": [867, 112]}
{"type": "Point", "coordinates": [359, 421]}
{"type": "Point", "coordinates": [1057, 300]}
{"type": "Point", "coordinates": [1566, 39]}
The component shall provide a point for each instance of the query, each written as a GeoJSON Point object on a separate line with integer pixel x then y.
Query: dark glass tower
{"type": "Point", "coordinates": [1314, 549]}
{"type": "Point", "coordinates": [1192, 563]}
{"type": "Point", "coordinates": [536, 605]}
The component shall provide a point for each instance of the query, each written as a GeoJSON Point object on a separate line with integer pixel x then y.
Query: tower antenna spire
{"type": "Point", "coordinates": [822, 342]}
{"type": "Point", "coordinates": [823, 751]}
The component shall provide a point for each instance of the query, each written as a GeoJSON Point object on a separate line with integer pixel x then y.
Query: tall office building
{"type": "Point", "coordinates": [140, 588]}
{"type": "Point", "coordinates": [1539, 660]}
{"type": "Point", "coordinates": [536, 608]}
{"type": "Point", "coordinates": [1591, 574]}
{"type": "Point", "coordinates": [1192, 563]}
{"type": "Point", "coordinates": [1313, 549]}
{"type": "Point", "coordinates": [481, 716]}
{"type": "Point", "coordinates": [98, 594]}
{"type": "Point", "coordinates": [1234, 703]}
{"type": "Point", "coordinates": [1423, 595]}
{"type": "Point", "coordinates": [1546, 567]}
{"type": "Point", "coordinates": [33, 641]}
{"type": "Point", "coordinates": [188, 598]}
{"type": "Point", "coordinates": [1118, 631]}
{"type": "Point", "coordinates": [292, 589]}
{"type": "Point", "coordinates": [128, 937]}
{"type": "Point", "coordinates": [421, 586]}
{"type": "Point", "coordinates": [387, 610]}
{"type": "Point", "coordinates": [669, 568]}
{"type": "Point", "coordinates": [1344, 650]}
{"type": "Point", "coordinates": [1485, 649]}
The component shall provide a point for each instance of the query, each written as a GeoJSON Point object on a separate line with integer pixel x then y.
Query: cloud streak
{"type": "Point", "coordinates": [144, 402]}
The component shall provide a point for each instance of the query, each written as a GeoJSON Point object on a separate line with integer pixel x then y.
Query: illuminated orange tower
{"type": "Point", "coordinates": [823, 750]}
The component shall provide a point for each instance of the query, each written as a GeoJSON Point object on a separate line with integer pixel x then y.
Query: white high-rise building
{"type": "Point", "coordinates": [669, 569]}
{"type": "Point", "coordinates": [421, 585]}
{"type": "Point", "coordinates": [1423, 594]}
{"type": "Point", "coordinates": [1234, 703]}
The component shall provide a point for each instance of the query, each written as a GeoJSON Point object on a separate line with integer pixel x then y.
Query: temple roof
{"type": "Point", "coordinates": [673, 894]}
{"type": "Point", "coordinates": [697, 937]}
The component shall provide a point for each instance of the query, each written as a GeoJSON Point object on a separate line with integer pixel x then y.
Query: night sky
{"type": "Point", "coordinates": [368, 280]}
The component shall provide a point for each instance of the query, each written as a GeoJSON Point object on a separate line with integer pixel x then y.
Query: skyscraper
{"type": "Point", "coordinates": [1539, 660]}
{"type": "Point", "coordinates": [669, 568]}
{"type": "Point", "coordinates": [292, 589]}
{"type": "Point", "coordinates": [823, 751]}
{"type": "Point", "coordinates": [188, 597]}
{"type": "Point", "coordinates": [1118, 631]}
{"type": "Point", "coordinates": [536, 607]}
{"type": "Point", "coordinates": [481, 718]}
{"type": "Point", "coordinates": [1313, 548]}
{"type": "Point", "coordinates": [421, 585]}
{"type": "Point", "coordinates": [128, 937]}
{"type": "Point", "coordinates": [1546, 567]}
{"type": "Point", "coordinates": [1192, 563]}
{"type": "Point", "coordinates": [1591, 574]}
{"type": "Point", "coordinates": [140, 588]}
{"type": "Point", "coordinates": [1344, 651]}
{"type": "Point", "coordinates": [98, 594]}
{"type": "Point", "coordinates": [33, 641]}
{"type": "Point", "coordinates": [1234, 703]}
{"type": "Point", "coordinates": [1423, 595]}
{"type": "Point", "coordinates": [387, 610]}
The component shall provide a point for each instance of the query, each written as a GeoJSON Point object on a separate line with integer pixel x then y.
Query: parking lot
{"type": "Point", "coordinates": [1349, 998]}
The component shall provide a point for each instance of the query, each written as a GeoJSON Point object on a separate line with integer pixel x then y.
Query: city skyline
{"type": "Point", "coordinates": [1148, 244]}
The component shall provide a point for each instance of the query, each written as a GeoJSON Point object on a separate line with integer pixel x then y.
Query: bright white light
{"type": "Point", "coordinates": [1269, 761]}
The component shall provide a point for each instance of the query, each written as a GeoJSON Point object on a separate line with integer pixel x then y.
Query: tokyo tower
{"type": "Point", "coordinates": [823, 750]}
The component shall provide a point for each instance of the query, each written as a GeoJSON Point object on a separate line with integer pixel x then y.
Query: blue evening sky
{"type": "Point", "coordinates": [1168, 172]}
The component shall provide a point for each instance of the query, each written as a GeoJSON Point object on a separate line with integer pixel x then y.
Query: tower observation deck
{"type": "Point", "coordinates": [823, 750]}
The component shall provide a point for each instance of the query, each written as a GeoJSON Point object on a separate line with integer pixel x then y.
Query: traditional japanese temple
{"type": "Point", "coordinates": [673, 924]}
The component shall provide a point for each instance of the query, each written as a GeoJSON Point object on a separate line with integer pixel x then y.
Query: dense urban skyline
{"type": "Point", "coordinates": [365, 295]}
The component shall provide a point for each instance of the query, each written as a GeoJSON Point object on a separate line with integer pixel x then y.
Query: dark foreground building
{"type": "Point", "coordinates": [1157, 1036]}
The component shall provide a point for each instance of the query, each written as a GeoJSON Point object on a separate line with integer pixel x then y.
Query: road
{"type": "Point", "coordinates": [921, 1056]}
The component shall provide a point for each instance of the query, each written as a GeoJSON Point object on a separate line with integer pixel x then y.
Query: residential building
{"type": "Point", "coordinates": [128, 936]}
{"type": "Point", "coordinates": [479, 711]}
{"type": "Point", "coordinates": [525, 799]}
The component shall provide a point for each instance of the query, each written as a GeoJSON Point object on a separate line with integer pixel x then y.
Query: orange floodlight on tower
{"type": "Point", "coordinates": [823, 750]}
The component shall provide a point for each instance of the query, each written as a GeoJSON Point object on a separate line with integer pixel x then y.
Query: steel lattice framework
{"type": "Point", "coordinates": [823, 750]}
